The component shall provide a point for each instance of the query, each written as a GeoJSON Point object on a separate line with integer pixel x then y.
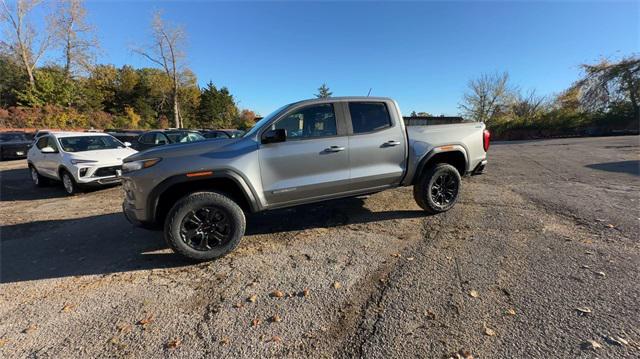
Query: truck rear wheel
{"type": "Point", "coordinates": [438, 188]}
{"type": "Point", "coordinates": [204, 225]}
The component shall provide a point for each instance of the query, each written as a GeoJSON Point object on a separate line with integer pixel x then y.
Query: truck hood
{"type": "Point", "coordinates": [189, 149]}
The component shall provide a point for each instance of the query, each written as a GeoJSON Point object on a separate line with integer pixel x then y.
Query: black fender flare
{"type": "Point", "coordinates": [155, 194]}
{"type": "Point", "coordinates": [440, 149]}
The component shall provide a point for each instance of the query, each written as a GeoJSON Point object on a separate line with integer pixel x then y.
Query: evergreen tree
{"type": "Point", "coordinates": [323, 91]}
{"type": "Point", "coordinates": [217, 108]}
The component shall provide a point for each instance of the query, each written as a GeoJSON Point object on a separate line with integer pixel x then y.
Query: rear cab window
{"type": "Point", "coordinates": [369, 117]}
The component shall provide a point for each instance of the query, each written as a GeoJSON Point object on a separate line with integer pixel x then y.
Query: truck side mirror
{"type": "Point", "coordinates": [274, 136]}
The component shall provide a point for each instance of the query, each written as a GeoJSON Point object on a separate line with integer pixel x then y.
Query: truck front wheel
{"type": "Point", "coordinates": [438, 188]}
{"type": "Point", "coordinates": [204, 225]}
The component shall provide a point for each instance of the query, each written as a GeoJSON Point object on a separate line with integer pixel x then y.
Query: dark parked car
{"type": "Point", "coordinates": [210, 134]}
{"type": "Point", "coordinates": [164, 137]}
{"type": "Point", "coordinates": [13, 145]}
{"type": "Point", "coordinates": [130, 136]}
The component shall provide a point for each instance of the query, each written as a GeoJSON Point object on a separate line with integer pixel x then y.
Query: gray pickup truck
{"type": "Point", "coordinates": [304, 152]}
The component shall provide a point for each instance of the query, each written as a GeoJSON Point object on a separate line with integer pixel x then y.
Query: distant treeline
{"type": "Point", "coordinates": [604, 101]}
{"type": "Point", "coordinates": [73, 91]}
{"type": "Point", "coordinates": [111, 97]}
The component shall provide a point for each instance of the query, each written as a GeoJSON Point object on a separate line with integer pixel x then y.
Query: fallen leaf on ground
{"type": "Point", "coordinates": [276, 319]}
{"type": "Point", "coordinates": [30, 329]}
{"type": "Point", "coordinates": [276, 339]}
{"type": "Point", "coordinates": [611, 225]}
{"type": "Point", "coordinates": [622, 340]}
{"type": "Point", "coordinates": [146, 320]}
{"type": "Point", "coordinates": [490, 332]}
{"type": "Point", "coordinates": [474, 293]}
{"type": "Point", "coordinates": [600, 274]}
{"type": "Point", "coordinates": [68, 307]}
{"type": "Point", "coordinates": [410, 259]}
{"type": "Point", "coordinates": [462, 354]}
{"type": "Point", "coordinates": [584, 266]}
{"type": "Point", "coordinates": [584, 310]}
{"type": "Point", "coordinates": [277, 294]}
{"type": "Point", "coordinates": [2, 342]}
{"type": "Point", "coordinates": [430, 315]}
{"type": "Point", "coordinates": [591, 344]}
{"type": "Point", "coordinates": [337, 285]}
{"type": "Point", "coordinates": [224, 341]}
{"type": "Point", "coordinates": [511, 311]}
{"type": "Point", "coordinates": [252, 298]}
{"type": "Point", "coordinates": [174, 343]}
{"type": "Point", "coordinates": [256, 322]}
{"type": "Point", "coordinates": [396, 255]}
{"type": "Point", "coordinates": [616, 341]}
{"type": "Point", "coordinates": [305, 292]}
{"type": "Point", "coordinates": [238, 305]}
{"type": "Point", "coordinates": [123, 328]}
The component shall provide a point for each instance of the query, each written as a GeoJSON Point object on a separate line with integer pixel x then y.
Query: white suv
{"type": "Point", "coordinates": [77, 159]}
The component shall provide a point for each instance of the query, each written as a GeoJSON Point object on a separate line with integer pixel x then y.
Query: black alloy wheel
{"type": "Point", "coordinates": [205, 228]}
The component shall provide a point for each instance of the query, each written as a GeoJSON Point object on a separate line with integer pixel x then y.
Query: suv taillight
{"type": "Point", "coordinates": [486, 139]}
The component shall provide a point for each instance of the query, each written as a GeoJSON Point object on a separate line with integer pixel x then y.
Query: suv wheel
{"type": "Point", "coordinates": [69, 183]}
{"type": "Point", "coordinates": [204, 225]}
{"type": "Point", "coordinates": [438, 189]}
{"type": "Point", "coordinates": [37, 179]}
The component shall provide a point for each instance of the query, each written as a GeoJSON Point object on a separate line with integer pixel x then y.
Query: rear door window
{"type": "Point", "coordinates": [147, 138]}
{"type": "Point", "coordinates": [369, 116]}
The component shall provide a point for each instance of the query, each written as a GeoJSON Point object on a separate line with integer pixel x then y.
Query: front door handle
{"type": "Point", "coordinates": [334, 149]}
{"type": "Point", "coordinates": [392, 143]}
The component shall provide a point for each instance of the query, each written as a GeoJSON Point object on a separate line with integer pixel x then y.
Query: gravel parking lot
{"type": "Point", "coordinates": [539, 258]}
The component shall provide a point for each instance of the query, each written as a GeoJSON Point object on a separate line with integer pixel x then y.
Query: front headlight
{"type": "Point", "coordinates": [78, 161]}
{"type": "Point", "coordinates": [138, 165]}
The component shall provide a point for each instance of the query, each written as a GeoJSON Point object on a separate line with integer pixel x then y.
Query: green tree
{"type": "Point", "coordinates": [12, 81]}
{"type": "Point", "coordinates": [608, 84]}
{"type": "Point", "coordinates": [217, 108]}
{"type": "Point", "coordinates": [486, 97]}
{"type": "Point", "coordinates": [323, 91]}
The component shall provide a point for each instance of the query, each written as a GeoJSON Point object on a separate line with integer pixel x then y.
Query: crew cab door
{"type": "Point", "coordinates": [312, 162]}
{"type": "Point", "coordinates": [377, 145]}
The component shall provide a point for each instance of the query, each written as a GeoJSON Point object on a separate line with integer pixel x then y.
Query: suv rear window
{"type": "Point", "coordinates": [369, 116]}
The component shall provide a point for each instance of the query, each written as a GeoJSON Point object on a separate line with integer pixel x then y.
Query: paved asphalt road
{"type": "Point", "coordinates": [540, 256]}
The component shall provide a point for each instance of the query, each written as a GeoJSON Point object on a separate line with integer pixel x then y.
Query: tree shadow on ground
{"type": "Point", "coordinates": [109, 244]}
{"type": "Point", "coordinates": [630, 167]}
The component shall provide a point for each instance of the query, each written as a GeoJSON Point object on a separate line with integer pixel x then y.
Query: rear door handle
{"type": "Point", "coordinates": [334, 149]}
{"type": "Point", "coordinates": [392, 143]}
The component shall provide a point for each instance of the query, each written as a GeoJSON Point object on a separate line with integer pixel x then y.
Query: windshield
{"type": "Point", "coordinates": [12, 137]}
{"type": "Point", "coordinates": [89, 143]}
{"type": "Point", "coordinates": [176, 137]}
{"type": "Point", "coordinates": [261, 123]}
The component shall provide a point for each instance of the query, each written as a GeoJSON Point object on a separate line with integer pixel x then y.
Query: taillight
{"type": "Point", "coordinates": [486, 139]}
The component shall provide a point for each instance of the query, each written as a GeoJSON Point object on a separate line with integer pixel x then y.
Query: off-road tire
{"type": "Point", "coordinates": [37, 179]}
{"type": "Point", "coordinates": [423, 187]}
{"type": "Point", "coordinates": [199, 200]}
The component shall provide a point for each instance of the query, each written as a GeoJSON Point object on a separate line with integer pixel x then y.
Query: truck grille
{"type": "Point", "coordinates": [106, 171]}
